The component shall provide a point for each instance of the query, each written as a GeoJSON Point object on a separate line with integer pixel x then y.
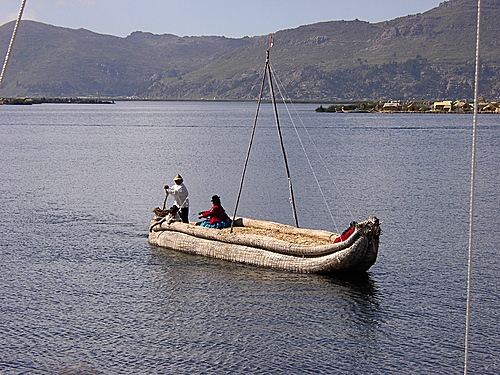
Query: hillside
{"type": "Point", "coordinates": [54, 61]}
{"type": "Point", "coordinates": [423, 56]}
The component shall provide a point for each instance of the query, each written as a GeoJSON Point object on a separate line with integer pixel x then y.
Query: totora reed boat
{"type": "Point", "coordinates": [273, 245]}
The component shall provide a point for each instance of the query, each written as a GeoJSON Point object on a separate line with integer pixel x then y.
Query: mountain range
{"type": "Point", "coordinates": [425, 56]}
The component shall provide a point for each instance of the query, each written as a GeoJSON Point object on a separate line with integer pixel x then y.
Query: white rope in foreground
{"type": "Point", "coordinates": [473, 178]}
{"type": "Point", "coordinates": [7, 57]}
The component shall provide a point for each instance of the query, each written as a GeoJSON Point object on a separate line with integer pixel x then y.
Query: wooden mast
{"type": "Point", "coordinates": [271, 88]}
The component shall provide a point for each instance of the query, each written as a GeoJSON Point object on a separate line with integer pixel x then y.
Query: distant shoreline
{"type": "Point", "coordinates": [346, 107]}
{"type": "Point", "coordinates": [428, 106]}
{"type": "Point", "coordinates": [30, 101]}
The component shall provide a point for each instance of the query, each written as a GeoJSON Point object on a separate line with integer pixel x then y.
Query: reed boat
{"type": "Point", "coordinates": [270, 244]}
{"type": "Point", "coordinates": [273, 245]}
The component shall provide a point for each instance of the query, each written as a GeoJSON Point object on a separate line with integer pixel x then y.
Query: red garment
{"type": "Point", "coordinates": [216, 214]}
{"type": "Point", "coordinates": [345, 235]}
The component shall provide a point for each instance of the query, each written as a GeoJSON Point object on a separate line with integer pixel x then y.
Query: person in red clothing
{"type": "Point", "coordinates": [216, 217]}
{"type": "Point", "coordinates": [347, 233]}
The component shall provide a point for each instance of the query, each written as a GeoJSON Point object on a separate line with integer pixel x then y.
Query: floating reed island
{"type": "Point", "coordinates": [30, 101]}
{"type": "Point", "coordinates": [396, 106]}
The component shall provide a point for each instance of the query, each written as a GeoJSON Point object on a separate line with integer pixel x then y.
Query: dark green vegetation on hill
{"type": "Point", "coordinates": [424, 56]}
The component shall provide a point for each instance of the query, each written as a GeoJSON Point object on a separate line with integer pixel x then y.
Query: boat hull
{"type": "Point", "coordinates": [354, 255]}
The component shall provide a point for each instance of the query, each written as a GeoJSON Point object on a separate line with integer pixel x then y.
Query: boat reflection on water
{"type": "Point", "coordinates": [310, 303]}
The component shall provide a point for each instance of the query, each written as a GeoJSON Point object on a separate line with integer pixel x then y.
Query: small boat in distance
{"type": "Point", "coordinates": [273, 245]}
{"type": "Point", "coordinates": [354, 110]}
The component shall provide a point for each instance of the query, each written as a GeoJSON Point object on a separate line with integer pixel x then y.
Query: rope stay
{"type": "Point", "coordinates": [259, 100]}
{"type": "Point", "coordinates": [315, 148]}
{"type": "Point", "coordinates": [472, 189]}
{"type": "Point", "coordinates": [305, 152]}
{"type": "Point", "coordinates": [14, 33]}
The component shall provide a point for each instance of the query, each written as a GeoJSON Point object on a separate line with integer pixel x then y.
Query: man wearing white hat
{"type": "Point", "coordinates": [181, 197]}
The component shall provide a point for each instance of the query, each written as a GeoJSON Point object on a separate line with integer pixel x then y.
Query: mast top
{"type": "Point", "coordinates": [271, 43]}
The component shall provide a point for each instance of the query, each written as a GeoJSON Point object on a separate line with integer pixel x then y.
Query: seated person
{"type": "Point", "coordinates": [347, 233]}
{"type": "Point", "coordinates": [216, 216]}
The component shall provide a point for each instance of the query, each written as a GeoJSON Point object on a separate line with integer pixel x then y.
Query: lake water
{"type": "Point", "coordinates": [82, 291]}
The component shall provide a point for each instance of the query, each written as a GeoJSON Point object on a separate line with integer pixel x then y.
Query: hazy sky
{"type": "Point", "coordinates": [230, 18]}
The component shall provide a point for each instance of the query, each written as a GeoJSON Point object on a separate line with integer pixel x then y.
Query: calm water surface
{"type": "Point", "coordinates": [82, 292]}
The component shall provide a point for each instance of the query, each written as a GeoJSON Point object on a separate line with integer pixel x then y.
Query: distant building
{"type": "Point", "coordinates": [445, 106]}
{"type": "Point", "coordinates": [413, 108]}
{"type": "Point", "coordinates": [463, 106]}
{"type": "Point", "coordinates": [490, 107]}
{"type": "Point", "coordinates": [392, 106]}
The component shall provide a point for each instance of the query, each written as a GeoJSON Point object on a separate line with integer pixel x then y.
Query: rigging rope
{"type": "Point", "coordinates": [259, 100]}
{"type": "Point", "coordinates": [292, 201]}
{"type": "Point", "coordinates": [14, 33]}
{"type": "Point", "coordinates": [283, 96]}
{"type": "Point", "coordinates": [472, 186]}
